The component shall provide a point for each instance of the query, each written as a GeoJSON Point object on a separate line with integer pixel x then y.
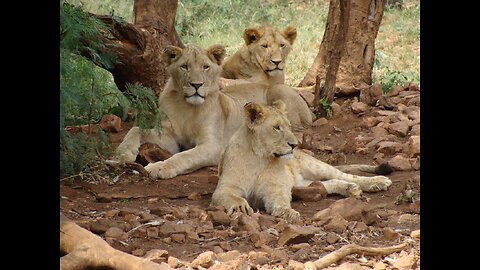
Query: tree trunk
{"type": "Point", "coordinates": [356, 65]}
{"type": "Point", "coordinates": [139, 45]}
{"type": "Point", "coordinates": [334, 57]}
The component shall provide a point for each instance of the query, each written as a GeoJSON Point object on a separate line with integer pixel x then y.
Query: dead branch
{"type": "Point", "coordinates": [339, 254]}
{"type": "Point", "coordinates": [85, 250]}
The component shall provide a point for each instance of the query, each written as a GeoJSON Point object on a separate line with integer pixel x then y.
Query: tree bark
{"type": "Point", "coordinates": [356, 65]}
{"type": "Point", "coordinates": [139, 45]}
{"type": "Point", "coordinates": [334, 57]}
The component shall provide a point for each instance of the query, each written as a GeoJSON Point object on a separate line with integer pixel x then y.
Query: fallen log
{"type": "Point", "coordinates": [85, 250]}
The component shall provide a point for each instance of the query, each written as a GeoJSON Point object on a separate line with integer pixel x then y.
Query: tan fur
{"type": "Point", "coordinates": [198, 119]}
{"type": "Point", "coordinates": [255, 61]}
{"type": "Point", "coordinates": [260, 167]}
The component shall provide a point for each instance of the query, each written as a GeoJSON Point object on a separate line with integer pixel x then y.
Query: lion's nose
{"type": "Point", "coordinates": [292, 145]}
{"type": "Point", "coordinates": [196, 85]}
{"type": "Point", "coordinates": [276, 62]}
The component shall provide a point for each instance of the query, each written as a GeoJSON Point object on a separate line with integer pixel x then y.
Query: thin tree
{"type": "Point", "coordinates": [356, 66]}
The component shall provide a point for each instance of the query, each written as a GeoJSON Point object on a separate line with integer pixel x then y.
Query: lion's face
{"type": "Point", "coordinates": [269, 47]}
{"type": "Point", "coordinates": [271, 129]}
{"type": "Point", "coordinates": [194, 71]}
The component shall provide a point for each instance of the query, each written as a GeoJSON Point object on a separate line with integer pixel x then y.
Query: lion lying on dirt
{"type": "Point", "coordinates": [262, 58]}
{"type": "Point", "coordinates": [260, 167]}
{"type": "Point", "coordinates": [198, 119]}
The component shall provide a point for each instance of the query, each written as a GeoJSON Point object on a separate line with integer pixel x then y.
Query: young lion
{"type": "Point", "coordinates": [199, 119]}
{"type": "Point", "coordinates": [261, 165]}
{"type": "Point", "coordinates": [262, 58]}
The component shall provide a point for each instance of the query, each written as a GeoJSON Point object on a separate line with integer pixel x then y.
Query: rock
{"type": "Point", "coordinates": [115, 233]}
{"type": "Point", "coordinates": [259, 239]}
{"type": "Point", "coordinates": [415, 206]}
{"type": "Point", "coordinates": [126, 210]}
{"type": "Point", "coordinates": [228, 256]}
{"type": "Point", "coordinates": [414, 101]}
{"type": "Point", "coordinates": [336, 109]}
{"type": "Point", "coordinates": [414, 146]}
{"type": "Point", "coordinates": [386, 102]}
{"type": "Point", "coordinates": [389, 148]}
{"type": "Point", "coordinates": [347, 266]}
{"type": "Point", "coordinates": [379, 131]}
{"type": "Point", "coordinates": [336, 224]}
{"type": "Point", "coordinates": [360, 227]}
{"type": "Point", "coordinates": [309, 266]}
{"type": "Point", "coordinates": [389, 234]}
{"type": "Point", "coordinates": [259, 258]}
{"type": "Point", "coordinates": [178, 237]}
{"type": "Point", "coordinates": [319, 122]}
{"type": "Point", "coordinates": [400, 163]}
{"type": "Point", "coordinates": [294, 265]}
{"type": "Point", "coordinates": [415, 234]}
{"type": "Point", "coordinates": [403, 261]}
{"type": "Point", "coordinates": [169, 228]}
{"type": "Point", "coordinates": [245, 222]}
{"type": "Point", "coordinates": [359, 107]}
{"type": "Point", "coordinates": [278, 254]}
{"type": "Point", "coordinates": [371, 94]}
{"type": "Point", "coordinates": [332, 238]}
{"type": "Point", "coordinates": [379, 266]}
{"type": "Point", "coordinates": [225, 245]}
{"type": "Point", "coordinates": [294, 234]}
{"type": "Point", "coordinates": [415, 130]}
{"type": "Point", "coordinates": [152, 232]}
{"type": "Point", "coordinates": [195, 196]}
{"type": "Point", "coordinates": [150, 153]}
{"type": "Point", "coordinates": [266, 222]}
{"type": "Point", "coordinates": [351, 209]}
{"type": "Point", "coordinates": [138, 252]}
{"type": "Point", "coordinates": [362, 150]}
{"type": "Point", "coordinates": [399, 128]}
{"type": "Point", "coordinates": [111, 123]}
{"type": "Point", "coordinates": [304, 246]}
{"type": "Point", "coordinates": [155, 254]}
{"type": "Point", "coordinates": [173, 262]}
{"type": "Point", "coordinates": [146, 217]}
{"type": "Point", "coordinates": [314, 192]}
{"type": "Point", "coordinates": [217, 249]}
{"type": "Point", "coordinates": [100, 226]}
{"type": "Point", "coordinates": [301, 255]}
{"type": "Point", "coordinates": [369, 122]}
{"type": "Point", "coordinates": [111, 213]}
{"type": "Point", "coordinates": [205, 260]}
{"type": "Point", "coordinates": [383, 113]}
{"type": "Point", "coordinates": [219, 217]}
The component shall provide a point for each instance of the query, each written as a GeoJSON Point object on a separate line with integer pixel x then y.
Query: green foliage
{"type": "Point", "coordinates": [392, 78]}
{"type": "Point", "coordinates": [147, 113]}
{"type": "Point", "coordinates": [325, 106]}
{"type": "Point", "coordinates": [88, 92]}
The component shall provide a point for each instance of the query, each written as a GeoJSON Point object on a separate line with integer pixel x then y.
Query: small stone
{"type": "Point", "coordinates": [309, 266]}
{"type": "Point", "coordinates": [111, 213]}
{"type": "Point", "coordinates": [415, 130]}
{"type": "Point", "coordinates": [294, 265]}
{"type": "Point", "coordinates": [304, 246]}
{"type": "Point", "coordinates": [359, 107]}
{"type": "Point", "coordinates": [219, 217]}
{"type": "Point", "coordinates": [178, 237]}
{"type": "Point", "coordinates": [389, 148]}
{"type": "Point", "coordinates": [332, 238]}
{"type": "Point", "coordinates": [194, 196]}
{"type": "Point", "coordinates": [336, 109]}
{"type": "Point", "coordinates": [379, 266]}
{"type": "Point", "coordinates": [172, 262]}
{"type": "Point", "coordinates": [278, 254]}
{"type": "Point", "coordinates": [369, 122]}
{"type": "Point", "coordinates": [228, 256]}
{"type": "Point", "coordinates": [414, 146]}
{"type": "Point", "coordinates": [152, 232]}
{"type": "Point", "coordinates": [115, 233]}
{"type": "Point", "coordinates": [205, 259]}
{"type": "Point", "coordinates": [371, 94]}
{"type": "Point", "coordinates": [399, 128]}
{"type": "Point", "coordinates": [389, 234]}
{"type": "Point", "coordinates": [415, 206]}
{"type": "Point", "coordinates": [415, 234]}
{"type": "Point", "coordinates": [294, 234]}
{"type": "Point", "coordinates": [319, 122]}
{"type": "Point", "coordinates": [246, 223]}
{"type": "Point", "coordinates": [360, 227]}
{"type": "Point", "coordinates": [155, 254]}
{"type": "Point", "coordinates": [336, 224]}
{"type": "Point", "coordinates": [312, 193]}
{"type": "Point", "coordinates": [266, 222]}
{"type": "Point", "coordinates": [400, 163]}
{"type": "Point", "coordinates": [138, 252]}
{"type": "Point", "coordinates": [217, 250]}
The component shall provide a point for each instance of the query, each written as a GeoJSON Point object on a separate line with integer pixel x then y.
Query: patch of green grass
{"type": "Point", "coordinates": [205, 23]}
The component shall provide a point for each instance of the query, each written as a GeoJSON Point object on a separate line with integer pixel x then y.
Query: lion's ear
{"type": "Point", "coordinates": [253, 112]}
{"type": "Point", "coordinates": [171, 54]}
{"type": "Point", "coordinates": [290, 34]}
{"type": "Point", "coordinates": [279, 104]}
{"type": "Point", "coordinates": [216, 53]}
{"type": "Point", "coordinates": [251, 35]}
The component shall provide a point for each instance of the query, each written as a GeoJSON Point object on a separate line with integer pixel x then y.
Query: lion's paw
{"type": "Point", "coordinates": [240, 206]}
{"type": "Point", "coordinates": [159, 170]}
{"type": "Point", "coordinates": [125, 155]}
{"type": "Point", "coordinates": [289, 214]}
{"type": "Point", "coordinates": [377, 183]}
{"type": "Point", "coordinates": [353, 190]}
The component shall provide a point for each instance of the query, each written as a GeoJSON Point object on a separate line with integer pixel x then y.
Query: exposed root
{"type": "Point", "coordinates": [339, 254]}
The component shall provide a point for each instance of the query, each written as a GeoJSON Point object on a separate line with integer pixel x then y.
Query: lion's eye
{"type": "Point", "coordinates": [206, 67]}
{"type": "Point", "coordinates": [282, 45]}
{"type": "Point", "coordinates": [185, 67]}
{"type": "Point", "coordinates": [276, 128]}
{"type": "Point", "coordinates": [265, 46]}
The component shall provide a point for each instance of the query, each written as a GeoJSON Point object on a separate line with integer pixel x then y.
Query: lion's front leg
{"type": "Point", "coordinates": [277, 202]}
{"type": "Point", "coordinates": [184, 162]}
{"type": "Point", "coordinates": [230, 201]}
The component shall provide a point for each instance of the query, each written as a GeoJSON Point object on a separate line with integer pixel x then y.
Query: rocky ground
{"type": "Point", "coordinates": [170, 221]}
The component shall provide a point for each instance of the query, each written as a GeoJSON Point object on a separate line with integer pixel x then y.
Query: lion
{"type": "Point", "coordinates": [262, 58]}
{"type": "Point", "coordinates": [197, 118]}
{"type": "Point", "coordinates": [261, 165]}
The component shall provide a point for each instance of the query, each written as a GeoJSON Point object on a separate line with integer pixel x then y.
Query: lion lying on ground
{"type": "Point", "coordinates": [260, 167]}
{"type": "Point", "coordinates": [262, 58]}
{"type": "Point", "coordinates": [198, 119]}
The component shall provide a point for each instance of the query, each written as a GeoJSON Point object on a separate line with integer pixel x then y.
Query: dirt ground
{"type": "Point", "coordinates": [133, 200]}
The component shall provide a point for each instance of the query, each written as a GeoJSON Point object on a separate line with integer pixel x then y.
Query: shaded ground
{"type": "Point", "coordinates": [182, 203]}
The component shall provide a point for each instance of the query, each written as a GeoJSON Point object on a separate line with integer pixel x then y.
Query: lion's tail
{"type": "Point", "coordinates": [382, 169]}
